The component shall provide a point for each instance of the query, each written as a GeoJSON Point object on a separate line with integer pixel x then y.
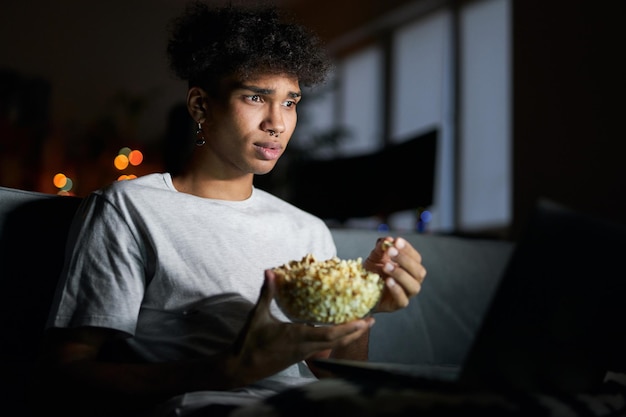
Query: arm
{"type": "Point", "coordinates": [72, 378]}
{"type": "Point", "coordinates": [72, 375]}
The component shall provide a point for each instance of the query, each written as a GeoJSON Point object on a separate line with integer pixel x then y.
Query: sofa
{"type": "Point", "coordinates": [435, 331]}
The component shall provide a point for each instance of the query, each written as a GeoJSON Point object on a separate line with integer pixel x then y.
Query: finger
{"type": "Point", "coordinates": [402, 247]}
{"type": "Point", "coordinates": [397, 292]}
{"type": "Point", "coordinates": [332, 334]}
{"type": "Point", "coordinates": [260, 312]}
{"type": "Point", "coordinates": [316, 339]}
{"type": "Point", "coordinates": [405, 257]}
{"type": "Point", "coordinates": [388, 248]}
{"type": "Point", "coordinates": [410, 282]}
{"type": "Point", "coordinates": [406, 274]}
{"type": "Point", "coordinates": [378, 256]}
{"type": "Point", "coordinates": [268, 289]}
{"type": "Point", "coordinates": [407, 282]}
{"type": "Point", "coordinates": [403, 281]}
{"type": "Point", "coordinates": [356, 335]}
{"type": "Point", "coordinates": [382, 244]}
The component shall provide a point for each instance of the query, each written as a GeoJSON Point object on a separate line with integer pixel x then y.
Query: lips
{"type": "Point", "coordinates": [268, 150]}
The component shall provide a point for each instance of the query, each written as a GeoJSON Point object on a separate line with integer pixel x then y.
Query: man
{"type": "Point", "coordinates": [162, 306]}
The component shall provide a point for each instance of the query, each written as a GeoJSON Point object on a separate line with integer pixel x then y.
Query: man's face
{"type": "Point", "coordinates": [238, 129]}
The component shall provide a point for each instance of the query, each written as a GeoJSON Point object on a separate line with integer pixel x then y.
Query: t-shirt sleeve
{"type": "Point", "coordinates": [104, 276]}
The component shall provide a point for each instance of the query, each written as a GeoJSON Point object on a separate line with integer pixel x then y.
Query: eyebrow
{"type": "Point", "coordinates": [267, 91]}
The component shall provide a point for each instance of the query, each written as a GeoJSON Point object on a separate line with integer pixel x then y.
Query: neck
{"type": "Point", "coordinates": [219, 189]}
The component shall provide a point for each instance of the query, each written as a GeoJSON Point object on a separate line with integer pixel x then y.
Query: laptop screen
{"type": "Point", "coordinates": [555, 321]}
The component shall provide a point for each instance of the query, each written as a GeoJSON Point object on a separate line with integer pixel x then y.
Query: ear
{"type": "Point", "coordinates": [197, 104]}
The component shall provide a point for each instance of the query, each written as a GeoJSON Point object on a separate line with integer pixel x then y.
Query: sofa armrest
{"type": "Point", "coordinates": [33, 231]}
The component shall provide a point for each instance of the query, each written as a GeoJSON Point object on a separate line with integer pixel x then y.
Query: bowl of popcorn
{"type": "Point", "coordinates": [332, 291]}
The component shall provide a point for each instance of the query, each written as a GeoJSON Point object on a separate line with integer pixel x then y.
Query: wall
{"type": "Point", "coordinates": [94, 62]}
{"type": "Point", "coordinates": [568, 66]}
{"type": "Point", "coordinates": [102, 82]}
{"type": "Point", "coordinates": [91, 51]}
{"type": "Point", "coordinates": [569, 89]}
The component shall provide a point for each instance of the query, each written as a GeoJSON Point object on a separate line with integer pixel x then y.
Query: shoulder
{"type": "Point", "coordinates": [145, 187]}
{"type": "Point", "coordinates": [126, 198]}
{"type": "Point", "coordinates": [156, 181]}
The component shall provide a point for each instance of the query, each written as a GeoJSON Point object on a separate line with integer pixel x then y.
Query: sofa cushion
{"type": "Point", "coordinates": [439, 325]}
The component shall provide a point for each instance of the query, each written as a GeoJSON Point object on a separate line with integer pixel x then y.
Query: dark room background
{"type": "Point", "coordinates": [79, 81]}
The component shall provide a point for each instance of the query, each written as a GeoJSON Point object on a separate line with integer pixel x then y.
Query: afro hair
{"type": "Point", "coordinates": [209, 44]}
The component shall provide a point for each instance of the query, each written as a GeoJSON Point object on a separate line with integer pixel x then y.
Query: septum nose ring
{"type": "Point", "coordinates": [273, 132]}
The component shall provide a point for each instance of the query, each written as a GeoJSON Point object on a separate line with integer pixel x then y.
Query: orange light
{"type": "Point", "coordinates": [135, 157]}
{"type": "Point", "coordinates": [121, 162]}
{"type": "Point", "coordinates": [59, 180]}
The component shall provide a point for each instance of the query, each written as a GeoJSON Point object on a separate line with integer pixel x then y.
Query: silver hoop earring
{"type": "Point", "coordinates": [200, 135]}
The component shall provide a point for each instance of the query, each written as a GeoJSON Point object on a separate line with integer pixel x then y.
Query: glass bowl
{"type": "Point", "coordinates": [327, 292]}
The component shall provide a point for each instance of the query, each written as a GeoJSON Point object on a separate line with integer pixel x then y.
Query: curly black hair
{"type": "Point", "coordinates": [209, 44]}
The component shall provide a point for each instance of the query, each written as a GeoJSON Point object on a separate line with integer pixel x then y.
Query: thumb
{"type": "Point", "coordinates": [268, 289]}
{"type": "Point", "coordinates": [260, 311]}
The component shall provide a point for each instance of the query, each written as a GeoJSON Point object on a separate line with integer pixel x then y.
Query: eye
{"type": "Point", "coordinates": [290, 103]}
{"type": "Point", "coordinates": [255, 98]}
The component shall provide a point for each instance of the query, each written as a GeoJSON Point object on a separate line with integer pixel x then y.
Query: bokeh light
{"type": "Point", "coordinates": [125, 157]}
{"type": "Point", "coordinates": [121, 162]}
{"type": "Point", "coordinates": [135, 157]}
{"type": "Point", "coordinates": [63, 183]}
{"type": "Point", "coordinates": [124, 151]}
{"type": "Point", "coordinates": [125, 177]}
{"type": "Point", "coordinates": [68, 185]}
{"type": "Point", "coordinates": [424, 217]}
{"type": "Point", "coordinates": [59, 180]}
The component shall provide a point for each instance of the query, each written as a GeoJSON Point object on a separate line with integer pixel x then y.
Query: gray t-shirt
{"type": "Point", "coordinates": [178, 272]}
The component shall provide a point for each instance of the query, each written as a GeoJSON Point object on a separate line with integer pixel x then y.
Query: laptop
{"type": "Point", "coordinates": [555, 322]}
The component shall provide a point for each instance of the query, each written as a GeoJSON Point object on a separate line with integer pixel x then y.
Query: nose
{"type": "Point", "coordinates": [274, 121]}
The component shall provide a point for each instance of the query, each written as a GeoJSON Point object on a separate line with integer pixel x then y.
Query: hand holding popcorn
{"type": "Point", "coordinates": [400, 266]}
